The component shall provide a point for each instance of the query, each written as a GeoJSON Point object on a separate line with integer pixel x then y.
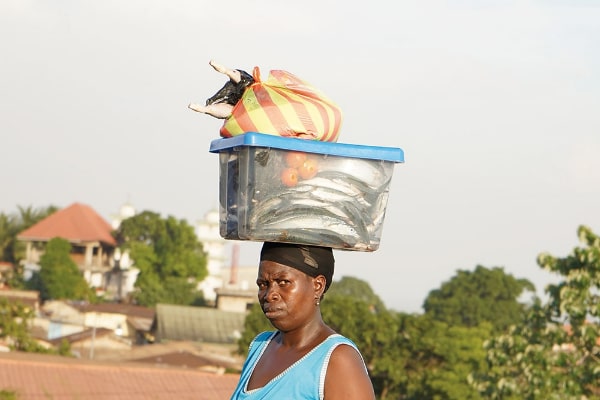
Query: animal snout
{"type": "Point", "coordinates": [232, 92]}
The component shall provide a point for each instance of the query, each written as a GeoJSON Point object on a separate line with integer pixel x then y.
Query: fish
{"type": "Point", "coordinates": [343, 205]}
{"type": "Point", "coordinates": [307, 206]}
{"type": "Point", "coordinates": [320, 238]}
{"type": "Point", "coordinates": [374, 174]}
{"type": "Point", "coordinates": [311, 227]}
{"type": "Point", "coordinates": [336, 190]}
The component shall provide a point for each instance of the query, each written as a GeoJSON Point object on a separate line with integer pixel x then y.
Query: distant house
{"type": "Point", "coordinates": [197, 324]}
{"type": "Point", "coordinates": [131, 323]}
{"type": "Point", "coordinates": [29, 298]}
{"type": "Point", "coordinates": [239, 291]}
{"type": "Point", "coordinates": [236, 300]}
{"type": "Point", "coordinates": [90, 342]}
{"type": "Point", "coordinates": [93, 246]}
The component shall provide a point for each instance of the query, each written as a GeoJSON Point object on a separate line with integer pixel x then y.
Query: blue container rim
{"type": "Point", "coordinates": [255, 139]}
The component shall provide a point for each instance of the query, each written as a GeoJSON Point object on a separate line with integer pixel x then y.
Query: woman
{"type": "Point", "coordinates": [304, 358]}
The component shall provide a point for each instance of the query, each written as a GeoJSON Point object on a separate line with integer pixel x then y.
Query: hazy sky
{"type": "Point", "coordinates": [495, 104]}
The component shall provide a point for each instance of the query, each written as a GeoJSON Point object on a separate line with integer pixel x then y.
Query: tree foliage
{"type": "Point", "coordinates": [8, 395]}
{"type": "Point", "coordinates": [15, 320]}
{"type": "Point", "coordinates": [59, 277]}
{"type": "Point", "coordinates": [358, 290]}
{"type": "Point", "coordinates": [169, 256]}
{"type": "Point", "coordinates": [11, 250]}
{"type": "Point", "coordinates": [255, 323]}
{"type": "Point", "coordinates": [428, 359]}
{"type": "Point", "coordinates": [371, 327]}
{"type": "Point", "coordinates": [555, 352]}
{"type": "Point", "coordinates": [484, 295]}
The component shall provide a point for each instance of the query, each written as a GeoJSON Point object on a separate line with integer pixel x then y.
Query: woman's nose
{"type": "Point", "coordinates": [271, 293]}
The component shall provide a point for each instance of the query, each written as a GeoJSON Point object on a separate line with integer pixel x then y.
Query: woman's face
{"type": "Point", "coordinates": [287, 296]}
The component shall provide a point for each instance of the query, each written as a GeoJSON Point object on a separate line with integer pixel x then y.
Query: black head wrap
{"type": "Point", "coordinates": [312, 260]}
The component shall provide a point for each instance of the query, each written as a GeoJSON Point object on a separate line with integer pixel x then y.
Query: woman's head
{"type": "Point", "coordinates": [291, 281]}
{"type": "Point", "coordinates": [312, 260]}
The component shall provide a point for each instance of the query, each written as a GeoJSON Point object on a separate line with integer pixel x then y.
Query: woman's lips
{"type": "Point", "coordinates": [271, 311]}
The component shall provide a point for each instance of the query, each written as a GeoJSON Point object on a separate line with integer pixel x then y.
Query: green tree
{"type": "Point", "coordinates": [7, 236]}
{"type": "Point", "coordinates": [433, 360]}
{"type": "Point", "coordinates": [11, 225]}
{"type": "Point", "coordinates": [169, 256]}
{"type": "Point", "coordinates": [255, 323]}
{"type": "Point", "coordinates": [15, 321]}
{"type": "Point", "coordinates": [8, 395]}
{"type": "Point", "coordinates": [554, 353]}
{"type": "Point", "coordinates": [484, 295]}
{"type": "Point", "coordinates": [12, 250]}
{"type": "Point", "coordinates": [358, 290]}
{"type": "Point", "coordinates": [14, 326]}
{"type": "Point", "coordinates": [370, 326]}
{"type": "Point", "coordinates": [59, 277]}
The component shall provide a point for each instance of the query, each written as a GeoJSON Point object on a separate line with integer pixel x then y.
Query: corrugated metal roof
{"type": "Point", "coordinates": [202, 324]}
{"type": "Point", "coordinates": [76, 223]}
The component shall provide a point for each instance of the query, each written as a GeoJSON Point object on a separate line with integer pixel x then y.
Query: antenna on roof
{"type": "Point", "coordinates": [235, 256]}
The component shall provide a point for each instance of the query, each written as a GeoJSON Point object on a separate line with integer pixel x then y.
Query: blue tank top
{"type": "Point", "coordinates": [303, 380]}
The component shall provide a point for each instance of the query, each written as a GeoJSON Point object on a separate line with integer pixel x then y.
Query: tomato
{"type": "Point", "coordinates": [295, 159]}
{"type": "Point", "coordinates": [289, 177]}
{"type": "Point", "coordinates": [309, 168]}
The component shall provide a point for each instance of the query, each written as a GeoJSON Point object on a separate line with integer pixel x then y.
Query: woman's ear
{"type": "Point", "coordinates": [319, 283]}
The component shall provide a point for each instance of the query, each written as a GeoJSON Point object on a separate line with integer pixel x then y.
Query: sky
{"type": "Point", "coordinates": [494, 103]}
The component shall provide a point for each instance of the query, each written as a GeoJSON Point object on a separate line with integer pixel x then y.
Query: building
{"type": "Point", "coordinates": [201, 324]}
{"type": "Point", "coordinates": [113, 274]}
{"type": "Point", "coordinates": [90, 237]}
{"type": "Point", "coordinates": [93, 248]}
{"type": "Point", "coordinates": [208, 234]}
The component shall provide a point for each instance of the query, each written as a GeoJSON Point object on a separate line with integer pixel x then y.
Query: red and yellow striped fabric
{"type": "Point", "coordinates": [284, 105]}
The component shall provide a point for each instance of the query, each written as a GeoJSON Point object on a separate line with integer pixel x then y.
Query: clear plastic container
{"type": "Point", "coordinates": [300, 191]}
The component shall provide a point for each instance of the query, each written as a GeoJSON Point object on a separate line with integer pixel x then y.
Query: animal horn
{"type": "Point", "coordinates": [233, 74]}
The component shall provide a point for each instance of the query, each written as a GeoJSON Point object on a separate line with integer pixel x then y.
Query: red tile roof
{"type": "Point", "coordinates": [76, 223]}
{"type": "Point", "coordinates": [184, 359]}
{"type": "Point", "coordinates": [38, 377]}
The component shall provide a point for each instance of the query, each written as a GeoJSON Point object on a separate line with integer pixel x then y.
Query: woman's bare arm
{"type": "Point", "coordinates": [347, 378]}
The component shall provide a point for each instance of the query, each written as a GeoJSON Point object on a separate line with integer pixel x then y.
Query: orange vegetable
{"type": "Point", "coordinates": [295, 159]}
{"type": "Point", "coordinates": [289, 177]}
{"type": "Point", "coordinates": [308, 169]}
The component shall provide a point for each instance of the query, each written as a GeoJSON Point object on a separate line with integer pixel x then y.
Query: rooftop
{"type": "Point", "coordinates": [77, 223]}
{"type": "Point", "coordinates": [36, 376]}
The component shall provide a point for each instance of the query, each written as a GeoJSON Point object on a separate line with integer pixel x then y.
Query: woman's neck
{"type": "Point", "coordinates": [305, 337]}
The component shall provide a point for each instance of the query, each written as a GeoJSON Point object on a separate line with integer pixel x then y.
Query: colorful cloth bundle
{"type": "Point", "coordinates": [284, 105]}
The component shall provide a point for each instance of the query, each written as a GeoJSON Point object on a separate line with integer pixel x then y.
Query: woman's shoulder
{"type": "Point", "coordinates": [336, 339]}
{"type": "Point", "coordinates": [347, 374]}
{"type": "Point", "coordinates": [342, 350]}
{"type": "Point", "coordinates": [262, 338]}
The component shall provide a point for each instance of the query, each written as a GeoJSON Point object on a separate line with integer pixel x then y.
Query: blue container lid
{"type": "Point", "coordinates": [254, 139]}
